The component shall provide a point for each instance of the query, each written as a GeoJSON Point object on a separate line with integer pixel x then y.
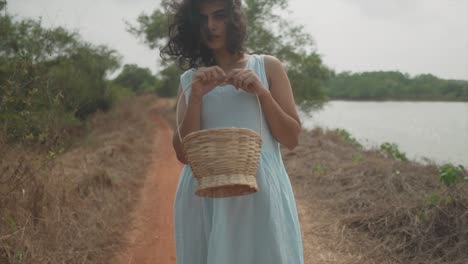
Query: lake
{"type": "Point", "coordinates": [434, 130]}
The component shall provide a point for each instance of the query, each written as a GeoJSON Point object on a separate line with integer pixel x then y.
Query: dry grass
{"type": "Point", "coordinates": [75, 208]}
{"type": "Point", "coordinates": [373, 209]}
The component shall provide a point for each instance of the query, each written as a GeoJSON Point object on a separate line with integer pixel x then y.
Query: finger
{"type": "Point", "coordinates": [247, 81]}
{"type": "Point", "coordinates": [210, 74]}
{"type": "Point", "coordinates": [203, 76]}
{"type": "Point", "coordinates": [220, 76]}
{"type": "Point", "coordinates": [214, 76]}
{"type": "Point", "coordinates": [231, 74]}
{"type": "Point", "coordinates": [240, 77]}
{"type": "Point", "coordinates": [221, 73]}
{"type": "Point", "coordinates": [236, 78]}
{"type": "Point", "coordinates": [199, 73]}
{"type": "Point", "coordinates": [238, 73]}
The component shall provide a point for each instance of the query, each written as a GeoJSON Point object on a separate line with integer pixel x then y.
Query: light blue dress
{"type": "Point", "coordinates": [259, 228]}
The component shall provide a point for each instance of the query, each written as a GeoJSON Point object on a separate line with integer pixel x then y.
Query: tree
{"type": "Point", "coordinates": [3, 4]}
{"type": "Point", "coordinates": [48, 78]}
{"type": "Point", "coordinates": [167, 77]}
{"type": "Point", "coordinates": [136, 79]}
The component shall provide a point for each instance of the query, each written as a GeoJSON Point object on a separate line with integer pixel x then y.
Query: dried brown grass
{"type": "Point", "coordinates": [379, 209]}
{"type": "Point", "coordinates": [75, 208]}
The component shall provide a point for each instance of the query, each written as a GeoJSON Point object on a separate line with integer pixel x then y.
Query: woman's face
{"type": "Point", "coordinates": [213, 24]}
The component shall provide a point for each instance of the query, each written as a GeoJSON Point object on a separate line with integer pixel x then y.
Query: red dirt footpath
{"type": "Point", "coordinates": [152, 233]}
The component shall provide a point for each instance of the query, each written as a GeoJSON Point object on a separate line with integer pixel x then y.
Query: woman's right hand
{"type": "Point", "coordinates": [206, 79]}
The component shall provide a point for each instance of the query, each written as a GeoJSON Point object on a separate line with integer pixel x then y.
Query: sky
{"type": "Point", "coordinates": [412, 36]}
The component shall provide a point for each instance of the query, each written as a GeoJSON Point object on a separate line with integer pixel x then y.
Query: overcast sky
{"type": "Point", "coordinates": [412, 36]}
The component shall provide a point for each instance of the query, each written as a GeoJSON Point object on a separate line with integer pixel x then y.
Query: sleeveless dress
{"type": "Point", "coordinates": [259, 228]}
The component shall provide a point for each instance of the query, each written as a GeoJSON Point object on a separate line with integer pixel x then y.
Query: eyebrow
{"type": "Point", "coordinates": [216, 12]}
{"type": "Point", "coordinates": [219, 11]}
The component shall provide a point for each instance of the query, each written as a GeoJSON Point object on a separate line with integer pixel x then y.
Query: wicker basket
{"type": "Point", "coordinates": [224, 161]}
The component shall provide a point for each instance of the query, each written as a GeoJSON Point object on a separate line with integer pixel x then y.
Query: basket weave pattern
{"type": "Point", "coordinates": [223, 160]}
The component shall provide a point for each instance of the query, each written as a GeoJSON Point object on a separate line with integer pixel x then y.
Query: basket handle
{"type": "Point", "coordinates": [190, 86]}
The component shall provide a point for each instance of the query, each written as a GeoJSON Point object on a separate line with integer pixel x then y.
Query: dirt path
{"type": "Point", "coordinates": [152, 238]}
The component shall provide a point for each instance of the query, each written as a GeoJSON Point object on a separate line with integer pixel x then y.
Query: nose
{"type": "Point", "coordinates": [211, 25]}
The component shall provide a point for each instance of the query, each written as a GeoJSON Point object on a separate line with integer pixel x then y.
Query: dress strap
{"type": "Point", "coordinates": [259, 67]}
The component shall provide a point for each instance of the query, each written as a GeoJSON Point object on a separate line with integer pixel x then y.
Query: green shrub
{"type": "Point", "coordinates": [117, 92]}
{"type": "Point", "coordinates": [391, 150]}
{"type": "Point", "coordinates": [49, 80]}
{"type": "Point", "coordinates": [450, 174]}
{"type": "Point", "coordinates": [346, 136]}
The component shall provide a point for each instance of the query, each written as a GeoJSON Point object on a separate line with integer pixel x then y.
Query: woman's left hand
{"type": "Point", "coordinates": [247, 80]}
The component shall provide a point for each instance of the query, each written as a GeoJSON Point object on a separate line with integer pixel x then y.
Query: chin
{"type": "Point", "coordinates": [215, 46]}
{"type": "Point", "coordinates": [219, 47]}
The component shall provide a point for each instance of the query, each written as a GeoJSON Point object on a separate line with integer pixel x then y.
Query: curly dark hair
{"type": "Point", "coordinates": [185, 42]}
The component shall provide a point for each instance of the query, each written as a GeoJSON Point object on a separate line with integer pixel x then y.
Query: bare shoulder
{"type": "Point", "coordinates": [274, 68]}
{"type": "Point", "coordinates": [273, 63]}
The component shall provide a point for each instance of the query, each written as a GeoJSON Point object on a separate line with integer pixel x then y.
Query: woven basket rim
{"type": "Point", "coordinates": [221, 129]}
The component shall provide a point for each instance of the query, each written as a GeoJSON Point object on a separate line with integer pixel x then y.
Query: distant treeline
{"type": "Point", "coordinates": [394, 85]}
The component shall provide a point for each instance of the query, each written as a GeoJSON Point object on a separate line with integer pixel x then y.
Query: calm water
{"type": "Point", "coordinates": [434, 130]}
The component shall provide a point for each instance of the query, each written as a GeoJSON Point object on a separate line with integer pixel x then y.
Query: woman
{"type": "Point", "coordinates": [260, 228]}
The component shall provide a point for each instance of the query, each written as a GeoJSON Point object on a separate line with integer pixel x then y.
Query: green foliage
{"type": "Point", "coordinates": [346, 136]}
{"type": "Point", "coordinates": [437, 199]}
{"type": "Point", "coordinates": [307, 76]}
{"type": "Point", "coordinates": [83, 78]}
{"type": "Point", "coordinates": [117, 92]}
{"type": "Point", "coordinates": [391, 150]}
{"type": "Point", "coordinates": [358, 157]}
{"type": "Point", "coordinates": [2, 4]}
{"type": "Point", "coordinates": [434, 199]}
{"type": "Point", "coordinates": [394, 85]}
{"type": "Point", "coordinates": [153, 28]}
{"type": "Point", "coordinates": [136, 79]}
{"type": "Point", "coordinates": [318, 168]}
{"type": "Point", "coordinates": [269, 33]}
{"type": "Point", "coordinates": [49, 79]}
{"type": "Point", "coordinates": [451, 174]}
{"type": "Point", "coordinates": [167, 78]}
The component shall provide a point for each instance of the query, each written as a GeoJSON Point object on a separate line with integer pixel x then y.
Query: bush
{"type": "Point", "coordinates": [450, 174]}
{"type": "Point", "coordinates": [49, 79]}
{"type": "Point", "coordinates": [391, 150]}
{"type": "Point", "coordinates": [346, 136]}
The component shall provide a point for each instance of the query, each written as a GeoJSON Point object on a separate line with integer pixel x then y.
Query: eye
{"type": "Point", "coordinates": [220, 16]}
